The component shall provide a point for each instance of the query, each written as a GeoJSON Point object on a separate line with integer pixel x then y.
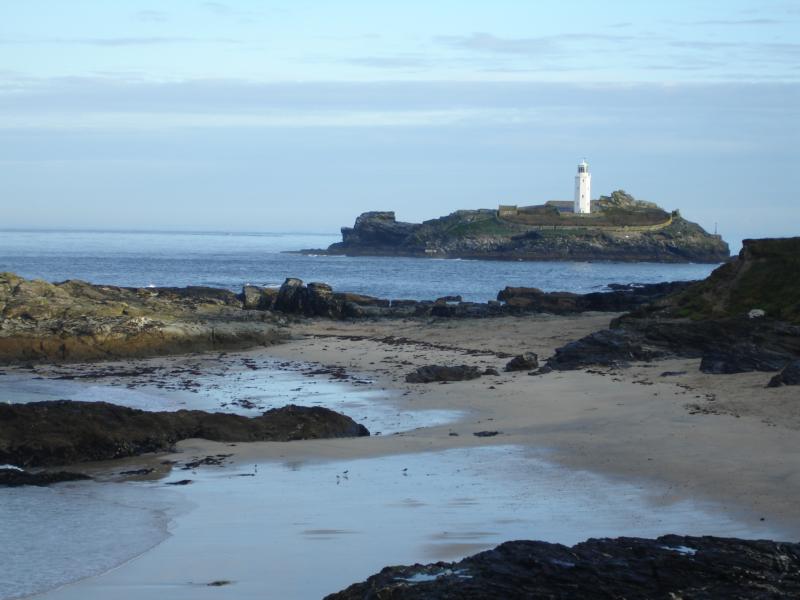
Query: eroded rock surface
{"type": "Point", "coordinates": [666, 568]}
{"type": "Point", "coordinates": [64, 432]}
{"type": "Point", "coordinates": [76, 321]}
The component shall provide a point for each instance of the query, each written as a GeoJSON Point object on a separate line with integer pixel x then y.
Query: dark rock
{"type": "Point", "coordinates": [445, 299]}
{"type": "Point", "coordinates": [291, 296]}
{"type": "Point", "coordinates": [18, 477]}
{"type": "Point", "coordinates": [432, 373]}
{"type": "Point", "coordinates": [790, 375]}
{"type": "Point", "coordinates": [180, 482]}
{"type": "Point", "coordinates": [672, 373]}
{"type": "Point", "coordinates": [523, 362]}
{"type": "Point", "coordinates": [608, 347]}
{"type": "Point", "coordinates": [65, 432]}
{"type": "Point", "coordinates": [485, 433]}
{"type": "Point", "coordinates": [666, 568]}
{"type": "Point", "coordinates": [490, 371]}
{"type": "Point", "coordinates": [742, 358]}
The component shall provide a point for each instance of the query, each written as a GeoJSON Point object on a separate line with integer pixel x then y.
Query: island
{"type": "Point", "coordinates": [617, 227]}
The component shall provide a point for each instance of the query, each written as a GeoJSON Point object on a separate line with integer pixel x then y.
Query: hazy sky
{"type": "Point", "coordinates": [299, 115]}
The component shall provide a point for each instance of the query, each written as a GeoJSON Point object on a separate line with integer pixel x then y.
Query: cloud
{"type": "Point", "coordinates": [110, 104]}
{"type": "Point", "coordinates": [151, 16]}
{"type": "Point", "coordinates": [120, 41]}
{"type": "Point", "coordinates": [735, 22]}
{"type": "Point", "coordinates": [551, 45]}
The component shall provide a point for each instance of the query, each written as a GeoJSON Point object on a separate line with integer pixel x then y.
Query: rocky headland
{"type": "Point", "coordinates": [744, 317]}
{"type": "Point", "coordinates": [669, 567]}
{"type": "Point", "coordinates": [619, 228]}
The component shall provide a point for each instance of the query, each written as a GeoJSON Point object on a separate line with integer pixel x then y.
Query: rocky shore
{"type": "Point", "coordinates": [621, 228]}
{"type": "Point", "coordinates": [44, 434]}
{"type": "Point", "coordinates": [743, 318]}
{"type": "Point", "coordinates": [669, 567]}
{"type": "Point", "coordinates": [78, 321]}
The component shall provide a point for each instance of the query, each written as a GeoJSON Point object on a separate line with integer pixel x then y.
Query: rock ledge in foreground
{"type": "Point", "coordinates": [668, 567]}
{"type": "Point", "coordinates": [64, 432]}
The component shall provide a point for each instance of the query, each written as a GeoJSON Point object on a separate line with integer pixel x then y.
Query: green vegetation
{"type": "Point", "coordinates": [765, 276]}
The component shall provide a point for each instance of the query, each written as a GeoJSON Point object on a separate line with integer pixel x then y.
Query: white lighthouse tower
{"type": "Point", "coordinates": [583, 189]}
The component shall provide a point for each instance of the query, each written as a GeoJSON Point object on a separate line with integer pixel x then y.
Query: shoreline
{"type": "Point", "coordinates": [664, 435]}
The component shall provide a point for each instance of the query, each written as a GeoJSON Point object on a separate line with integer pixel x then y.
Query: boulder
{"type": "Point", "coordinates": [668, 567]}
{"type": "Point", "coordinates": [790, 375]}
{"type": "Point", "coordinates": [291, 296]}
{"type": "Point", "coordinates": [608, 347]}
{"type": "Point", "coordinates": [524, 362]}
{"type": "Point", "coordinates": [742, 358]}
{"type": "Point", "coordinates": [433, 373]}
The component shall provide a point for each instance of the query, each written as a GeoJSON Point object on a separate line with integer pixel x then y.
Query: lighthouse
{"type": "Point", "coordinates": [583, 189]}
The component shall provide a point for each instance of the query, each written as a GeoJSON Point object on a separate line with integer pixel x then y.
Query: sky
{"type": "Point", "coordinates": [299, 115]}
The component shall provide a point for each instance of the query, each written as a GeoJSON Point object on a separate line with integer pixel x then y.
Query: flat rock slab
{"type": "Point", "coordinates": [669, 567]}
{"type": "Point", "coordinates": [64, 432]}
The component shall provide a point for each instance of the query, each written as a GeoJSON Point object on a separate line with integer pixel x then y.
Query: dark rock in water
{"type": "Point", "coordinates": [444, 299]}
{"type": "Point", "coordinates": [490, 371]}
{"type": "Point", "coordinates": [742, 358]}
{"type": "Point", "coordinates": [789, 376]}
{"type": "Point", "coordinates": [666, 568]}
{"type": "Point", "coordinates": [485, 433]}
{"type": "Point", "coordinates": [432, 373]}
{"type": "Point", "coordinates": [524, 362]}
{"type": "Point", "coordinates": [608, 347]}
{"type": "Point", "coordinates": [672, 373]}
{"type": "Point", "coordinates": [65, 432]}
{"type": "Point", "coordinates": [18, 477]}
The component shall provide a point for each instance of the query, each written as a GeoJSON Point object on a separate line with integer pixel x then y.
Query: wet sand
{"type": "Point", "coordinates": [705, 454]}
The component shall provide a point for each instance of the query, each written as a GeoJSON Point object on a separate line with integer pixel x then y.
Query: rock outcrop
{"type": "Point", "coordinates": [666, 568]}
{"type": "Point", "coordinates": [20, 477]}
{"type": "Point", "coordinates": [790, 375]}
{"type": "Point", "coordinates": [713, 319]}
{"type": "Point", "coordinates": [76, 321]}
{"type": "Point", "coordinates": [620, 228]}
{"type": "Point", "coordinates": [319, 300]}
{"type": "Point", "coordinates": [65, 432]}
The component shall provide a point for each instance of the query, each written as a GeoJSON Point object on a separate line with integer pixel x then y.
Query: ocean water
{"type": "Point", "coordinates": [230, 260]}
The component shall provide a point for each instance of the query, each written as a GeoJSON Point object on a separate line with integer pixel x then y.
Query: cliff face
{"type": "Point", "coordinates": [623, 229]}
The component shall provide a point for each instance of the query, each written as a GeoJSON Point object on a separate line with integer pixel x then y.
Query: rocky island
{"type": "Point", "coordinates": [618, 228]}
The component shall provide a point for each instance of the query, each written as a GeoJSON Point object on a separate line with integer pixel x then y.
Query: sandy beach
{"type": "Point", "coordinates": [720, 437]}
{"type": "Point", "coordinates": [654, 448]}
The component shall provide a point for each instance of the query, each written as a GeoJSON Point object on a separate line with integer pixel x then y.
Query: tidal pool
{"type": "Point", "coordinates": [304, 529]}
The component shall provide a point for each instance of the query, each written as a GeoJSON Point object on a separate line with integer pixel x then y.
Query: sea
{"type": "Point", "coordinates": [230, 260]}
